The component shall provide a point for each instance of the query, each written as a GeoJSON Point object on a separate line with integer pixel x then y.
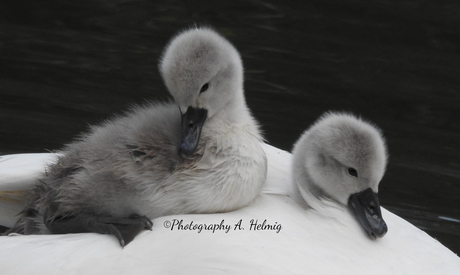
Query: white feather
{"type": "Point", "coordinates": [307, 243]}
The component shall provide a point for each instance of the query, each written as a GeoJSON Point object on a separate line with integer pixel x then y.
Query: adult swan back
{"type": "Point", "coordinates": [307, 242]}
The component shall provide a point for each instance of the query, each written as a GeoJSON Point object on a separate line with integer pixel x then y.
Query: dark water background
{"type": "Point", "coordinates": [67, 64]}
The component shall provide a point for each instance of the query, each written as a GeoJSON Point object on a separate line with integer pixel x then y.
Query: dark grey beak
{"type": "Point", "coordinates": [365, 205]}
{"type": "Point", "coordinates": [192, 123]}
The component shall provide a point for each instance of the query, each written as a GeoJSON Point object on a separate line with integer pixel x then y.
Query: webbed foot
{"type": "Point", "coordinates": [124, 229]}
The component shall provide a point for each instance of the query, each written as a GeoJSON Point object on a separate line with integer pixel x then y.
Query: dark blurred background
{"type": "Point", "coordinates": [67, 64]}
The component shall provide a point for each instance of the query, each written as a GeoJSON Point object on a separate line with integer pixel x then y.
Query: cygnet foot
{"type": "Point", "coordinates": [124, 229]}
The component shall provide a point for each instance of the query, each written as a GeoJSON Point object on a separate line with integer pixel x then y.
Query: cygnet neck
{"type": "Point", "coordinates": [235, 111]}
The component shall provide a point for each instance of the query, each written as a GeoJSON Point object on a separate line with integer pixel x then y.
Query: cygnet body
{"type": "Point", "coordinates": [201, 154]}
{"type": "Point", "coordinates": [342, 158]}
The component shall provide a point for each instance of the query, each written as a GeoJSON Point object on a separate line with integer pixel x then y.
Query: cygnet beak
{"type": "Point", "coordinates": [192, 123]}
{"type": "Point", "coordinates": [366, 207]}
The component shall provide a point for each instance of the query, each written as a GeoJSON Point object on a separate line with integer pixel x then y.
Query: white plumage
{"type": "Point", "coordinates": [308, 243]}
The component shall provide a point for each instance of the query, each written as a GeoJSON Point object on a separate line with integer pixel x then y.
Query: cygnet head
{"type": "Point", "coordinates": [204, 74]}
{"type": "Point", "coordinates": [343, 158]}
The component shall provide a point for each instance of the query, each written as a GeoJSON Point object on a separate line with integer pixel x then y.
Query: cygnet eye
{"type": "Point", "coordinates": [352, 172]}
{"type": "Point", "coordinates": [204, 88]}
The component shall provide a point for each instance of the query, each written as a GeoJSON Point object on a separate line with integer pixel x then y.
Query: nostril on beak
{"type": "Point", "coordinates": [372, 207]}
